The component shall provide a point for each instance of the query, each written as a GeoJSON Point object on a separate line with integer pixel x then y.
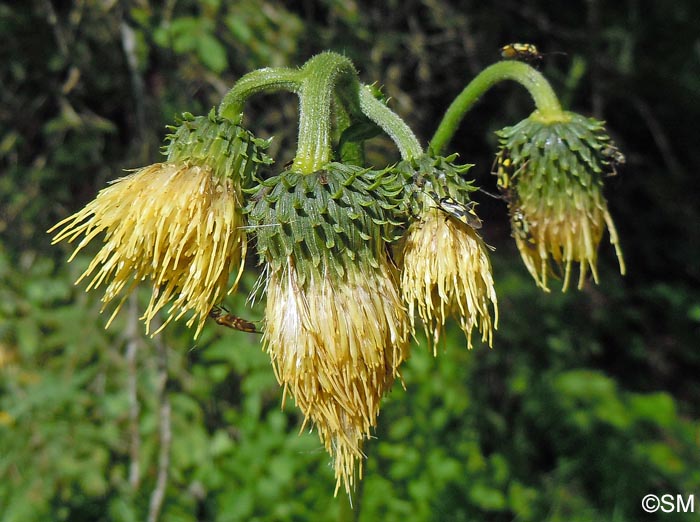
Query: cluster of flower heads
{"type": "Point", "coordinates": [352, 257]}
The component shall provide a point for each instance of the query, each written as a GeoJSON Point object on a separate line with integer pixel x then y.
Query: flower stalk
{"type": "Point", "coordinates": [320, 74]}
{"type": "Point", "coordinates": [404, 138]}
{"type": "Point", "coordinates": [536, 84]}
{"type": "Point", "coordinates": [269, 79]}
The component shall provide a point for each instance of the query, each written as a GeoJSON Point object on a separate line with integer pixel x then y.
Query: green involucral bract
{"type": "Point", "coordinates": [325, 220]}
{"type": "Point", "coordinates": [441, 176]}
{"type": "Point", "coordinates": [229, 149]}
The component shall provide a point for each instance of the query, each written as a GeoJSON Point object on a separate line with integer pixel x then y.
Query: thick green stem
{"type": "Point", "coordinates": [320, 76]}
{"type": "Point", "coordinates": [539, 88]}
{"type": "Point", "coordinates": [393, 125]}
{"type": "Point", "coordinates": [255, 82]}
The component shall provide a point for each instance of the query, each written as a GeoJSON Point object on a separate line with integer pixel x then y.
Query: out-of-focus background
{"type": "Point", "coordinates": [588, 400]}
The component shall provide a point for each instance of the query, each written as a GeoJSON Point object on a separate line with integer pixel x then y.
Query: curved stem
{"type": "Point", "coordinates": [539, 88]}
{"type": "Point", "coordinates": [391, 123]}
{"type": "Point", "coordinates": [262, 80]}
{"type": "Point", "coordinates": [320, 76]}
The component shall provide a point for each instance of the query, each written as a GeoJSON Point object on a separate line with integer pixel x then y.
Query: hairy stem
{"type": "Point", "coordinates": [269, 79]}
{"type": "Point", "coordinates": [539, 88]}
{"type": "Point", "coordinates": [321, 75]}
{"type": "Point", "coordinates": [393, 125]}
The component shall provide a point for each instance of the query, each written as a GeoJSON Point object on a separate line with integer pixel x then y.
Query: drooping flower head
{"type": "Point", "coordinates": [551, 174]}
{"type": "Point", "coordinates": [445, 268]}
{"type": "Point", "coordinates": [178, 225]}
{"type": "Point", "coordinates": [335, 327]}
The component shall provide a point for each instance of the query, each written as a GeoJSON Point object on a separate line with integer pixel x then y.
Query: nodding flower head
{"type": "Point", "coordinates": [551, 175]}
{"type": "Point", "coordinates": [335, 327]}
{"type": "Point", "coordinates": [177, 224]}
{"type": "Point", "coordinates": [445, 267]}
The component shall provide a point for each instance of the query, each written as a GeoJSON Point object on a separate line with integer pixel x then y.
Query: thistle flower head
{"type": "Point", "coordinates": [178, 224]}
{"type": "Point", "coordinates": [445, 268]}
{"type": "Point", "coordinates": [551, 174]}
{"type": "Point", "coordinates": [335, 327]}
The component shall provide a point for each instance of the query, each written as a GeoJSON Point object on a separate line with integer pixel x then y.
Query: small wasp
{"type": "Point", "coordinates": [459, 211]}
{"type": "Point", "coordinates": [225, 318]}
{"type": "Point", "coordinates": [523, 52]}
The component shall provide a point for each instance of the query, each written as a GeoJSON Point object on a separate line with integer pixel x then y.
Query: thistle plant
{"type": "Point", "coordinates": [355, 258]}
{"type": "Point", "coordinates": [445, 268]}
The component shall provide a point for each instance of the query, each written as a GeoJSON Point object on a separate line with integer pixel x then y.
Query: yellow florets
{"type": "Point", "coordinates": [173, 224]}
{"type": "Point", "coordinates": [567, 232]}
{"type": "Point", "coordinates": [446, 272]}
{"type": "Point", "coordinates": [336, 345]}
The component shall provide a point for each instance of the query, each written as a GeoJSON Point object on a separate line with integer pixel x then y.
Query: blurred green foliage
{"type": "Point", "coordinates": [588, 401]}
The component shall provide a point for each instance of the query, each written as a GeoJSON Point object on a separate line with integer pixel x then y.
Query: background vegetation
{"type": "Point", "coordinates": [588, 401]}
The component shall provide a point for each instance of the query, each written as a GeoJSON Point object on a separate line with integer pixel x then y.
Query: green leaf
{"type": "Point", "coordinates": [212, 53]}
{"type": "Point", "coordinates": [658, 408]}
{"type": "Point", "coordinates": [487, 498]}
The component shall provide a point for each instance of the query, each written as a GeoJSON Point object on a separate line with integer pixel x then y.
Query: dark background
{"type": "Point", "coordinates": [588, 400]}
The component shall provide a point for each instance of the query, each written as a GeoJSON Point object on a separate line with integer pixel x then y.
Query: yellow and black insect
{"type": "Point", "coordinates": [225, 318]}
{"type": "Point", "coordinates": [464, 213]}
{"type": "Point", "coordinates": [524, 52]}
{"type": "Point", "coordinates": [502, 169]}
{"type": "Point", "coordinates": [520, 226]}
